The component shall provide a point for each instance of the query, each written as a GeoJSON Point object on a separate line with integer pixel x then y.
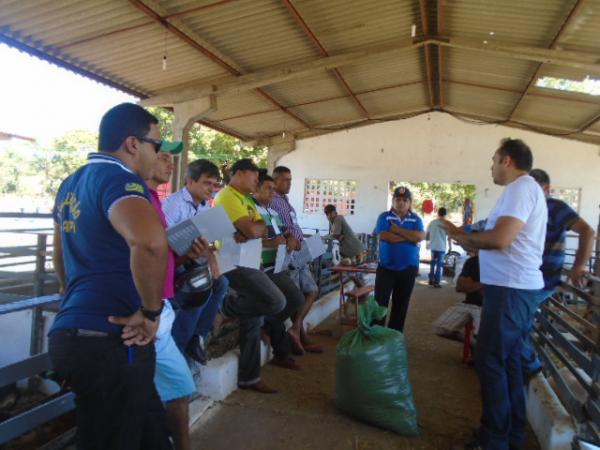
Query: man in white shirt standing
{"type": "Point", "coordinates": [511, 248]}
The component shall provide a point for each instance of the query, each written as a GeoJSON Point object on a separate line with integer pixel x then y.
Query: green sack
{"type": "Point", "coordinates": [372, 381]}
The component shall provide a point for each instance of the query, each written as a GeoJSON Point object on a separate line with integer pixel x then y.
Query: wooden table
{"type": "Point", "coordinates": [341, 270]}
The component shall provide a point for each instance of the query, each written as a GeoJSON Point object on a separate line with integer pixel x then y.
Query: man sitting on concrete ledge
{"type": "Point", "coordinates": [300, 273]}
{"type": "Point", "coordinates": [193, 325]}
{"type": "Point", "coordinates": [276, 235]}
{"type": "Point", "coordinates": [259, 298]}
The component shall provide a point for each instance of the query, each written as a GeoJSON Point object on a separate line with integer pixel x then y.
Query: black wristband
{"type": "Point", "coordinates": [152, 314]}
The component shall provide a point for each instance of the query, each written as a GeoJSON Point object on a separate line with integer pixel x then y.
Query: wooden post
{"type": "Point", "coordinates": [37, 323]}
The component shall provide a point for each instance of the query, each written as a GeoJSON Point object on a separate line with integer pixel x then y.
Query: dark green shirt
{"type": "Point", "coordinates": [350, 246]}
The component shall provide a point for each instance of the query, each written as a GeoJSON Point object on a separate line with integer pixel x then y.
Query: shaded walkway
{"type": "Point", "coordinates": [303, 414]}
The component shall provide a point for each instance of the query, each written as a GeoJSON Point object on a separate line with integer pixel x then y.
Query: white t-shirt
{"type": "Point", "coordinates": [518, 266]}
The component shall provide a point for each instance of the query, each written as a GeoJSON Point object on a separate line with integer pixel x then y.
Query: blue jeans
{"type": "Point", "coordinates": [529, 359]}
{"type": "Point", "coordinates": [437, 265]}
{"type": "Point", "coordinates": [506, 317]}
{"type": "Point", "coordinates": [199, 321]}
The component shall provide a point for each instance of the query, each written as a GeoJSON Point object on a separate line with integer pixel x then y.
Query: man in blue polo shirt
{"type": "Point", "coordinates": [400, 230]}
{"type": "Point", "coordinates": [561, 218]}
{"type": "Point", "coordinates": [110, 255]}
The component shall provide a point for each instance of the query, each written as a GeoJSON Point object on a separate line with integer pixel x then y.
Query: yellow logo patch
{"type": "Point", "coordinates": [134, 187]}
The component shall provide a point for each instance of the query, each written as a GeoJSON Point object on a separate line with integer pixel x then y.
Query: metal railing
{"type": "Point", "coordinates": [566, 335]}
{"type": "Point", "coordinates": [49, 409]}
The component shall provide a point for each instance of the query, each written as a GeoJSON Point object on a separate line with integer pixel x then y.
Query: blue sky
{"type": "Point", "coordinates": [43, 101]}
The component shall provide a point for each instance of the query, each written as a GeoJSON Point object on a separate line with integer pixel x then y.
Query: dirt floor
{"type": "Point", "coordinates": [303, 414]}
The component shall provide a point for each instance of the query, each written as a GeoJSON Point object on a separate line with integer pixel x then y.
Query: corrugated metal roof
{"type": "Point", "coordinates": [209, 41]}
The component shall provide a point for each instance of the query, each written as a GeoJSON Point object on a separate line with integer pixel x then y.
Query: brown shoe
{"type": "Point", "coordinates": [287, 363]}
{"type": "Point", "coordinates": [261, 387]}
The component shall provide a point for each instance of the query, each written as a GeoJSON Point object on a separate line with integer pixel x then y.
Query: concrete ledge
{"type": "Point", "coordinates": [199, 406]}
{"type": "Point", "coordinates": [218, 378]}
{"type": "Point", "coordinates": [548, 417]}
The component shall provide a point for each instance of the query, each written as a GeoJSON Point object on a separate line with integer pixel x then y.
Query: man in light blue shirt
{"type": "Point", "coordinates": [192, 199]}
{"type": "Point", "coordinates": [192, 325]}
{"type": "Point", "coordinates": [437, 238]}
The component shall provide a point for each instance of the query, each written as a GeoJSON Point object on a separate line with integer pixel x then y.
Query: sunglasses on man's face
{"type": "Point", "coordinates": [157, 143]}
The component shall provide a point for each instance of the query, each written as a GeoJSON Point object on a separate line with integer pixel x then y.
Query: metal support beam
{"type": "Point", "coordinates": [308, 32]}
{"type": "Point", "coordinates": [278, 74]}
{"type": "Point", "coordinates": [202, 48]}
{"type": "Point", "coordinates": [427, 50]}
{"type": "Point", "coordinates": [440, 31]}
{"type": "Point", "coordinates": [565, 25]}
{"type": "Point", "coordinates": [587, 62]}
{"type": "Point", "coordinates": [550, 131]}
{"type": "Point", "coordinates": [236, 85]}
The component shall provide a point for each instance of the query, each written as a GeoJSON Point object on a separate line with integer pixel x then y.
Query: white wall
{"type": "Point", "coordinates": [437, 148]}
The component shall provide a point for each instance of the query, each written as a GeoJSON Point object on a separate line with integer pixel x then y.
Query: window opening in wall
{"type": "Point", "coordinates": [319, 192]}
{"type": "Point", "coordinates": [457, 198]}
{"type": "Point", "coordinates": [571, 196]}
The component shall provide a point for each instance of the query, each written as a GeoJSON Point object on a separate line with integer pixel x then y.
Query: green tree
{"type": "Point", "coordinates": [68, 152]}
{"type": "Point", "coordinates": [450, 196]}
{"type": "Point", "coordinates": [205, 142]}
{"type": "Point", "coordinates": [12, 165]}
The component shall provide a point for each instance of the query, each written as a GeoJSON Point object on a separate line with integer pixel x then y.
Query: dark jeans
{"type": "Point", "coordinates": [117, 404]}
{"type": "Point", "coordinates": [437, 265]}
{"type": "Point", "coordinates": [199, 321]}
{"type": "Point", "coordinates": [261, 300]}
{"type": "Point", "coordinates": [505, 321]}
{"type": "Point", "coordinates": [399, 284]}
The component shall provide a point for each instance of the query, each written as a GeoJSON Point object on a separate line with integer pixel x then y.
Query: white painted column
{"type": "Point", "coordinates": [186, 115]}
{"type": "Point", "coordinates": [277, 148]}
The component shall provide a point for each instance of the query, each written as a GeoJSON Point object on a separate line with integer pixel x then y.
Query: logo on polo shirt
{"type": "Point", "coordinates": [69, 209]}
{"type": "Point", "coordinates": [134, 187]}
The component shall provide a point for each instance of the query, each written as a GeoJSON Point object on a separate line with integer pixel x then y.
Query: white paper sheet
{"type": "Point", "coordinates": [250, 254]}
{"type": "Point", "coordinates": [231, 254]}
{"type": "Point", "coordinates": [212, 224]}
{"type": "Point", "coordinates": [315, 245]}
{"type": "Point", "coordinates": [282, 259]}
{"type": "Point", "coordinates": [228, 255]}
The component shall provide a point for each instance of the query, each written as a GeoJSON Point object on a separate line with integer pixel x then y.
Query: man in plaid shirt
{"type": "Point", "coordinates": [300, 273]}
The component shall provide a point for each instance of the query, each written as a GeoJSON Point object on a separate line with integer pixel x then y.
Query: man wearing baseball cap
{"type": "Point", "coordinates": [259, 298]}
{"type": "Point", "coordinates": [173, 378]}
{"type": "Point", "coordinates": [400, 230]}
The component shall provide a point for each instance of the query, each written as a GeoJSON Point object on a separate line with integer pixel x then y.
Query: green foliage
{"type": "Point", "coordinates": [447, 195]}
{"type": "Point", "coordinates": [12, 165]}
{"type": "Point", "coordinates": [586, 86]}
{"type": "Point", "coordinates": [204, 142]}
{"type": "Point", "coordinates": [67, 154]}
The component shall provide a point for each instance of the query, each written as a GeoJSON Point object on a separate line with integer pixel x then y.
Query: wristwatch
{"type": "Point", "coordinates": [152, 314]}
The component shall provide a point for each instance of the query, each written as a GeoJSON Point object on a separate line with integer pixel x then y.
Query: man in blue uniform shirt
{"type": "Point", "coordinates": [400, 230]}
{"type": "Point", "coordinates": [110, 255]}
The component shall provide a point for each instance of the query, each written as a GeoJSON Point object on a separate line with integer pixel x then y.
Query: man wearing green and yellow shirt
{"type": "Point", "coordinates": [272, 297]}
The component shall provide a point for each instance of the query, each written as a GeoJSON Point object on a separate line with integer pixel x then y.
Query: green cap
{"type": "Point", "coordinates": [172, 147]}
